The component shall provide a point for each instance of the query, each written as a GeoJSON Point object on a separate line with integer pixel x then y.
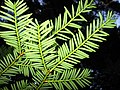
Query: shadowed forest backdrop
{"type": "Point", "coordinates": [105, 63]}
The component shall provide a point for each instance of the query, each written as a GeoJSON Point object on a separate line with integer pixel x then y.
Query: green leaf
{"type": "Point", "coordinates": [101, 18]}
{"type": "Point", "coordinates": [20, 6]}
{"type": "Point", "coordinates": [69, 79]}
{"type": "Point", "coordinates": [9, 4]}
{"type": "Point", "coordinates": [7, 25]}
{"type": "Point", "coordinates": [21, 85]}
{"type": "Point", "coordinates": [6, 18]}
{"type": "Point", "coordinates": [7, 67]}
{"type": "Point", "coordinates": [6, 14]}
{"type": "Point", "coordinates": [6, 8]}
{"type": "Point", "coordinates": [82, 18]}
{"type": "Point", "coordinates": [74, 25]}
{"type": "Point", "coordinates": [73, 11]}
{"type": "Point", "coordinates": [67, 12]}
{"type": "Point", "coordinates": [22, 10]}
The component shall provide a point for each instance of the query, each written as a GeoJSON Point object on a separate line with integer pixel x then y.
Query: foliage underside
{"type": "Point", "coordinates": [36, 53]}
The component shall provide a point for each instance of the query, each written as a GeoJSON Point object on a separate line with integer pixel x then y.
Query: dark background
{"type": "Point", "coordinates": [105, 62]}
